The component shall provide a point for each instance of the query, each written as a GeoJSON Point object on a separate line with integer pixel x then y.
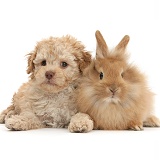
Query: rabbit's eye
{"type": "Point", "coordinates": [122, 74]}
{"type": "Point", "coordinates": [101, 75]}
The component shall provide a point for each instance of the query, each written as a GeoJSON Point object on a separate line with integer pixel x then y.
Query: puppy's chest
{"type": "Point", "coordinates": [55, 110]}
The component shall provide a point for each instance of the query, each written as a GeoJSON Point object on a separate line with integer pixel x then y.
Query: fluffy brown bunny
{"type": "Point", "coordinates": [48, 98]}
{"type": "Point", "coordinates": [113, 93]}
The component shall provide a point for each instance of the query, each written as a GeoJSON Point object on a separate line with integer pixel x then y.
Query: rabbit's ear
{"type": "Point", "coordinates": [102, 48]}
{"type": "Point", "coordinates": [123, 43]}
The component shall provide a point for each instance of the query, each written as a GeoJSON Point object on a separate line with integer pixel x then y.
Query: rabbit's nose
{"type": "Point", "coordinates": [113, 89]}
{"type": "Point", "coordinates": [49, 74]}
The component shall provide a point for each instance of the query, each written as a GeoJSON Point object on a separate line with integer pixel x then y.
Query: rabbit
{"type": "Point", "coordinates": [113, 94]}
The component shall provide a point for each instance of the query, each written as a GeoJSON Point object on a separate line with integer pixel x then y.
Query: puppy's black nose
{"type": "Point", "coordinates": [49, 74]}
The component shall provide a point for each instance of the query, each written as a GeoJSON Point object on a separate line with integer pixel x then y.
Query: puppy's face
{"type": "Point", "coordinates": [57, 62]}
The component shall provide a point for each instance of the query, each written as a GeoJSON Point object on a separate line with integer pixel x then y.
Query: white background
{"type": "Point", "coordinates": [23, 23]}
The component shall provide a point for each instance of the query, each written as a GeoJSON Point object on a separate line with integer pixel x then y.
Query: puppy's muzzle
{"type": "Point", "coordinates": [49, 75]}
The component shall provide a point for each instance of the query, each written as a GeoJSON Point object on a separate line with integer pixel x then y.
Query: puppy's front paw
{"type": "Point", "coordinates": [80, 127]}
{"type": "Point", "coordinates": [80, 123]}
{"type": "Point", "coordinates": [17, 123]}
{"type": "Point", "coordinates": [2, 118]}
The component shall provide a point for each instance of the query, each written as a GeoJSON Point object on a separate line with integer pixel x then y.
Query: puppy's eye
{"type": "Point", "coordinates": [43, 63]}
{"type": "Point", "coordinates": [101, 76]}
{"type": "Point", "coordinates": [64, 64]}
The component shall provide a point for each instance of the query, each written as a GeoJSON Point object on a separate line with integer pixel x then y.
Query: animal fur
{"type": "Point", "coordinates": [113, 93]}
{"type": "Point", "coordinates": [48, 98]}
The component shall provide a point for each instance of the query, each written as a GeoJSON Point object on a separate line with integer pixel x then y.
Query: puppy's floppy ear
{"type": "Point", "coordinates": [84, 61]}
{"type": "Point", "coordinates": [82, 57]}
{"type": "Point", "coordinates": [30, 67]}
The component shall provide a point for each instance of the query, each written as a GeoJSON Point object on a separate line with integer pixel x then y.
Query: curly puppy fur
{"type": "Point", "coordinates": [48, 98]}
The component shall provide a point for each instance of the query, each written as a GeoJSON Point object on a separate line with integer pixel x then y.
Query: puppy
{"type": "Point", "coordinates": [48, 98]}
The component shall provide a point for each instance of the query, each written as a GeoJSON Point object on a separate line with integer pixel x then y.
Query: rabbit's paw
{"type": "Point", "coordinates": [136, 126]}
{"type": "Point", "coordinates": [152, 122]}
